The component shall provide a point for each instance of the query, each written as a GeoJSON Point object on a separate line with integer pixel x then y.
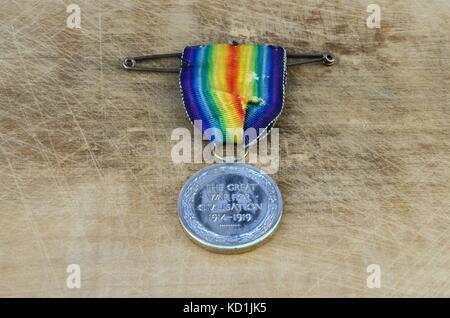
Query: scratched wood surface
{"type": "Point", "coordinates": [87, 177]}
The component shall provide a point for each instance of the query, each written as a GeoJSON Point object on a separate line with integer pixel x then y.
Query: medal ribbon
{"type": "Point", "coordinates": [230, 86]}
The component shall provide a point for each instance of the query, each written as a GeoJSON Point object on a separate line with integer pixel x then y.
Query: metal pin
{"type": "Point", "coordinates": [327, 58]}
{"type": "Point", "coordinates": [130, 63]}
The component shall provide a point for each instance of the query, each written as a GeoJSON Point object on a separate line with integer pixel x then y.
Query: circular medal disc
{"type": "Point", "coordinates": [230, 207]}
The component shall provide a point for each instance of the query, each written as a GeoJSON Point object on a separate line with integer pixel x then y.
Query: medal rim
{"type": "Point", "coordinates": [238, 248]}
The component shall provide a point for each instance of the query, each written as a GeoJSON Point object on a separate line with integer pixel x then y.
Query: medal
{"type": "Point", "coordinates": [231, 207]}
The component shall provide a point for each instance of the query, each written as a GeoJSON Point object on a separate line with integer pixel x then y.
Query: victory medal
{"type": "Point", "coordinates": [231, 207]}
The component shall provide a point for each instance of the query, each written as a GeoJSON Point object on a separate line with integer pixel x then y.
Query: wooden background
{"type": "Point", "coordinates": [87, 177]}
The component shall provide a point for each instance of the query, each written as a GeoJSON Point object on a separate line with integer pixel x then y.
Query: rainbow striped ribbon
{"type": "Point", "coordinates": [229, 86]}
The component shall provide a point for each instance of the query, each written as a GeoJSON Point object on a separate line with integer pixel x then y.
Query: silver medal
{"type": "Point", "coordinates": [230, 207]}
